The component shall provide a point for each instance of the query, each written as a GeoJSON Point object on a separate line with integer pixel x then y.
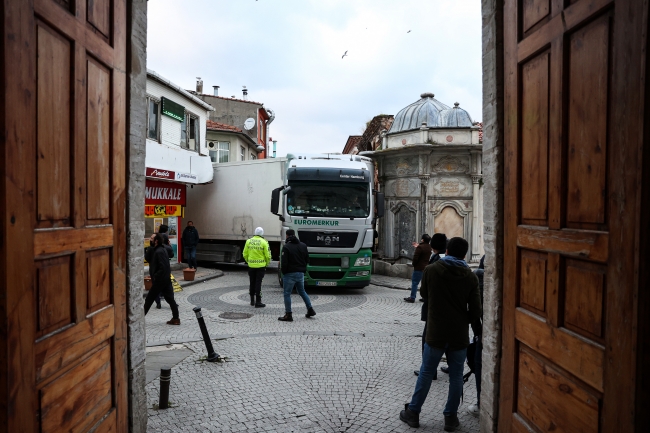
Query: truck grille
{"type": "Point", "coordinates": [324, 275]}
{"type": "Point", "coordinates": [325, 261]}
{"type": "Point", "coordinates": [332, 240]}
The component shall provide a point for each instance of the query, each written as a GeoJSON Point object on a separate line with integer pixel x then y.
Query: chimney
{"type": "Point", "coordinates": [245, 92]}
{"type": "Point", "coordinates": [199, 85]}
{"type": "Point", "coordinates": [216, 90]}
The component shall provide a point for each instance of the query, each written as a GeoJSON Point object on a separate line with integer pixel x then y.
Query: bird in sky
{"type": "Point", "coordinates": [408, 31]}
{"type": "Point", "coordinates": [345, 54]}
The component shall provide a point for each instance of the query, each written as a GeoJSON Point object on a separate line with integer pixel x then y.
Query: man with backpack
{"type": "Point", "coordinates": [451, 291]}
{"type": "Point", "coordinates": [293, 263]}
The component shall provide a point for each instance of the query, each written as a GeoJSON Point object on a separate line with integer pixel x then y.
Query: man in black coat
{"type": "Point", "coordinates": [160, 272]}
{"type": "Point", "coordinates": [293, 263]}
{"type": "Point", "coordinates": [451, 290]}
{"type": "Point", "coordinates": [190, 241]}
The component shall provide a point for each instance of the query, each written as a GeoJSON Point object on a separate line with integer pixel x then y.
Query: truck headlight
{"type": "Point", "coordinates": [345, 262]}
{"type": "Point", "coordinates": [362, 261]}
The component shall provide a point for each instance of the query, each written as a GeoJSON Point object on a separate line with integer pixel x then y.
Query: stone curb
{"type": "Point", "coordinates": [218, 273]}
{"type": "Point", "coordinates": [388, 285]}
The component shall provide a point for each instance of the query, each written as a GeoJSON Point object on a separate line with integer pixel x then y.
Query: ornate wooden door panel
{"type": "Point", "coordinates": [65, 215]}
{"type": "Point", "coordinates": [571, 191]}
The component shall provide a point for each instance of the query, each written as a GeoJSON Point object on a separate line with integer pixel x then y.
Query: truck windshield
{"type": "Point", "coordinates": [330, 199]}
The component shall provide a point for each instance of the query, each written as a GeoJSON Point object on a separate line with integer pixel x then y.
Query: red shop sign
{"type": "Point", "coordinates": [160, 174]}
{"type": "Point", "coordinates": [157, 192]}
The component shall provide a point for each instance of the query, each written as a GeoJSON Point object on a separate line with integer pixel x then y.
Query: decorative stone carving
{"type": "Point", "coordinates": [476, 179]}
{"type": "Point", "coordinates": [463, 207]}
{"type": "Point", "coordinates": [401, 166]}
{"type": "Point", "coordinates": [451, 187]}
{"type": "Point", "coordinates": [405, 218]}
{"type": "Point", "coordinates": [449, 164]}
{"type": "Point", "coordinates": [404, 187]}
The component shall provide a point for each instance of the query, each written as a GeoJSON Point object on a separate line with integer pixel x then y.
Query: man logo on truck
{"type": "Point", "coordinates": [327, 239]}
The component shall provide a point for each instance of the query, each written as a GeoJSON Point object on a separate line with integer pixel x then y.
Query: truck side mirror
{"type": "Point", "coordinates": [275, 200]}
{"type": "Point", "coordinates": [380, 204]}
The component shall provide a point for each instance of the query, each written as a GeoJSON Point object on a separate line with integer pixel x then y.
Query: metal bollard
{"type": "Point", "coordinates": [212, 355]}
{"type": "Point", "coordinates": [165, 378]}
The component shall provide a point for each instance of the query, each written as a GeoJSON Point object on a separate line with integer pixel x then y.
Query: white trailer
{"type": "Point", "coordinates": [227, 211]}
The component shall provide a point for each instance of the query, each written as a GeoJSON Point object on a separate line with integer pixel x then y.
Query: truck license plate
{"type": "Point", "coordinates": [326, 283]}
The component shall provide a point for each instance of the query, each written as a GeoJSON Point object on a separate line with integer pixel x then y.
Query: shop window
{"type": "Point", "coordinates": [190, 132]}
{"type": "Point", "coordinates": [153, 120]}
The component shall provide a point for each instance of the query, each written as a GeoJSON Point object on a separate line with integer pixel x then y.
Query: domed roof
{"type": "Point", "coordinates": [433, 112]}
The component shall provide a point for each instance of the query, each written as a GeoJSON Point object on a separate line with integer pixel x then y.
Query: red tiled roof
{"type": "Point", "coordinates": [352, 142]}
{"type": "Point", "coordinates": [216, 126]}
{"type": "Point", "coordinates": [193, 92]}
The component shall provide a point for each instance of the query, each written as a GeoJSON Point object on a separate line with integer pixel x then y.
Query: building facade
{"type": "Point", "coordinates": [429, 168]}
{"type": "Point", "coordinates": [227, 143]}
{"type": "Point", "coordinates": [251, 118]}
{"type": "Point", "coordinates": [177, 154]}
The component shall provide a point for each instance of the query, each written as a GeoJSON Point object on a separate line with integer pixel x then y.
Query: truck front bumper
{"type": "Point", "coordinates": [324, 274]}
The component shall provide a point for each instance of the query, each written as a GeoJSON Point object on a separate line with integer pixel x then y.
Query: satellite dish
{"type": "Point", "coordinates": [249, 124]}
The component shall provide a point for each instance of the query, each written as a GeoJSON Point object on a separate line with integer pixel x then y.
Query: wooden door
{"type": "Point", "coordinates": [574, 84]}
{"type": "Point", "coordinates": [63, 216]}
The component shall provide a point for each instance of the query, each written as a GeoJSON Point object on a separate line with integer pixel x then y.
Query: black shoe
{"type": "Point", "coordinates": [416, 372]}
{"type": "Point", "coordinates": [310, 313]}
{"type": "Point", "coordinates": [451, 422]}
{"type": "Point", "coordinates": [286, 318]}
{"type": "Point", "coordinates": [158, 306]}
{"type": "Point", "coordinates": [444, 370]}
{"type": "Point", "coordinates": [252, 300]}
{"type": "Point", "coordinates": [410, 300]}
{"type": "Point", "coordinates": [258, 302]}
{"type": "Point", "coordinates": [410, 417]}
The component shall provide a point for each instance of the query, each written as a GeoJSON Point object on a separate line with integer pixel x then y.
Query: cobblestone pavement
{"type": "Point", "coordinates": [349, 369]}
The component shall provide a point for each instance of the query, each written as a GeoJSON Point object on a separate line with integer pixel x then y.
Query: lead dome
{"type": "Point", "coordinates": [432, 112]}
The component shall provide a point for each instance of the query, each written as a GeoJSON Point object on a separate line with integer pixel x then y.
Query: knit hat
{"type": "Point", "coordinates": [439, 242]}
{"type": "Point", "coordinates": [259, 231]}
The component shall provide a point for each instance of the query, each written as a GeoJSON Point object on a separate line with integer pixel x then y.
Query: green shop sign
{"type": "Point", "coordinates": [304, 222]}
{"type": "Point", "coordinates": [172, 109]}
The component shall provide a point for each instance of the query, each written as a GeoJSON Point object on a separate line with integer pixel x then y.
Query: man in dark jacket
{"type": "Point", "coordinates": [160, 272]}
{"type": "Point", "coordinates": [293, 263]}
{"type": "Point", "coordinates": [451, 290]}
{"type": "Point", "coordinates": [190, 240]}
{"type": "Point", "coordinates": [164, 232]}
{"type": "Point", "coordinates": [420, 261]}
{"type": "Point", "coordinates": [439, 246]}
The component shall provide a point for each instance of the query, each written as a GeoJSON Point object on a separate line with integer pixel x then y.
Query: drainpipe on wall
{"type": "Point", "coordinates": [271, 114]}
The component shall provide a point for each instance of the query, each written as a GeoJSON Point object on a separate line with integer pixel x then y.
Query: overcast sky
{"type": "Point", "coordinates": [288, 54]}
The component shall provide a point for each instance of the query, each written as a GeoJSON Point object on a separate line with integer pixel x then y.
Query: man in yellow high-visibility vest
{"type": "Point", "coordinates": [258, 256]}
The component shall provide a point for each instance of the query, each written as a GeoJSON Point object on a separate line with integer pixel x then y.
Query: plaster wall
{"type": "Point", "coordinates": [492, 159]}
{"type": "Point", "coordinates": [136, 124]}
{"type": "Point", "coordinates": [233, 112]}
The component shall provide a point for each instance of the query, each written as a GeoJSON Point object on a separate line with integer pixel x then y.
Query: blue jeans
{"type": "Point", "coordinates": [415, 281]}
{"type": "Point", "coordinates": [190, 256]}
{"type": "Point", "coordinates": [430, 359]}
{"type": "Point", "coordinates": [297, 280]}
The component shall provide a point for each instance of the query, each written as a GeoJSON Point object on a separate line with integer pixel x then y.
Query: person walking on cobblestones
{"type": "Point", "coordinates": [439, 246]}
{"type": "Point", "coordinates": [160, 277]}
{"type": "Point", "coordinates": [258, 256]}
{"type": "Point", "coordinates": [293, 263]}
{"type": "Point", "coordinates": [451, 290]}
{"type": "Point", "coordinates": [420, 261]}
{"type": "Point", "coordinates": [477, 329]}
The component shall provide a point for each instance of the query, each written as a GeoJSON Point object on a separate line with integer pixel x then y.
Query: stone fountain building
{"type": "Point", "coordinates": [429, 168]}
